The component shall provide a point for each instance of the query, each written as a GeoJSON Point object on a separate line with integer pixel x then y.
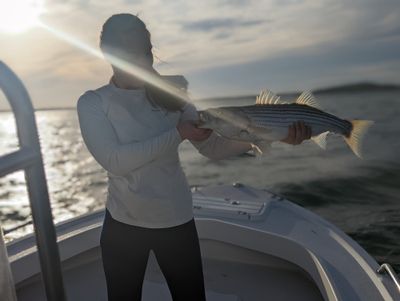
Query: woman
{"type": "Point", "coordinates": [133, 130]}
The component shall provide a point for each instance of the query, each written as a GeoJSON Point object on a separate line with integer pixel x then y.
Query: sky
{"type": "Point", "coordinates": [223, 48]}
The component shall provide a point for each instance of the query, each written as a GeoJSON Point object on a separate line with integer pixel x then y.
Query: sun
{"type": "Point", "coordinates": [19, 15]}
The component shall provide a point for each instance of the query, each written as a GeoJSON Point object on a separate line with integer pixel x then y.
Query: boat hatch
{"type": "Point", "coordinates": [230, 208]}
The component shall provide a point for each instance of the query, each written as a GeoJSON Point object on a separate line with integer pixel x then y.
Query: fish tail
{"type": "Point", "coordinates": [354, 139]}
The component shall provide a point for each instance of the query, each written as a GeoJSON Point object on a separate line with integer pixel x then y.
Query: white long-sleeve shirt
{"type": "Point", "coordinates": [137, 145]}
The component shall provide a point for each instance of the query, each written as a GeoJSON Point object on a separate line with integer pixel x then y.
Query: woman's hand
{"type": "Point", "coordinates": [298, 132]}
{"type": "Point", "coordinates": [188, 130]}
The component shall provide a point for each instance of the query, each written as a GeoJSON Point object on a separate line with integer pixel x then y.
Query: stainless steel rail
{"type": "Point", "coordinates": [7, 291]}
{"type": "Point", "coordinates": [29, 159]}
{"type": "Point", "coordinates": [385, 267]}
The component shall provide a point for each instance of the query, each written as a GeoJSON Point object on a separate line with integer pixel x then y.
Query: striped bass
{"type": "Point", "coordinates": [269, 118]}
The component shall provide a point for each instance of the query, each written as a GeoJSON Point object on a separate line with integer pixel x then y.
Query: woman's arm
{"type": "Point", "coordinates": [214, 147]}
{"type": "Point", "coordinates": [102, 141]}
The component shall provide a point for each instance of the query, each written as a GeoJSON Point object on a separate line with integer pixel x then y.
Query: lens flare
{"type": "Point", "coordinates": [19, 15]}
{"type": "Point", "coordinates": [128, 67]}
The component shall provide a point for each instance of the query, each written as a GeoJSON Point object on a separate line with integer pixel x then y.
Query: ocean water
{"type": "Point", "coordinates": [362, 197]}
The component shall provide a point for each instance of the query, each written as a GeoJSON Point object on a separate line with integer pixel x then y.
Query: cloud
{"type": "Point", "coordinates": [303, 69]}
{"type": "Point", "coordinates": [218, 24]}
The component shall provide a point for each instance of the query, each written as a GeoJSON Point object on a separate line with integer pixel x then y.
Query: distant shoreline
{"type": "Point", "coordinates": [359, 87]}
{"type": "Point", "coordinates": [346, 88]}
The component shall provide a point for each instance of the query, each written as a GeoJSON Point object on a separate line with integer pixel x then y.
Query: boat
{"type": "Point", "coordinates": [255, 244]}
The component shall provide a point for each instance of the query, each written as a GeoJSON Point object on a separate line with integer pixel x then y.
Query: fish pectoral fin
{"type": "Point", "coordinates": [320, 139]}
{"type": "Point", "coordinates": [256, 149]}
{"type": "Point", "coordinates": [307, 98]}
{"type": "Point", "coordinates": [261, 146]}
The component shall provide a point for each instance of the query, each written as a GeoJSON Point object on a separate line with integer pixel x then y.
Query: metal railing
{"type": "Point", "coordinates": [29, 159]}
{"type": "Point", "coordinates": [385, 267]}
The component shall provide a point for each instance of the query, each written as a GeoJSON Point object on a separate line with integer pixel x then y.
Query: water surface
{"type": "Point", "coordinates": [359, 196]}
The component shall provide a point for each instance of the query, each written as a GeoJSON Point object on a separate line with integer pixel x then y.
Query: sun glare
{"type": "Point", "coordinates": [19, 15]}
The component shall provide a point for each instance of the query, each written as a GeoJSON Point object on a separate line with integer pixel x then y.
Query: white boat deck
{"type": "Point", "coordinates": [227, 279]}
{"type": "Point", "coordinates": [255, 246]}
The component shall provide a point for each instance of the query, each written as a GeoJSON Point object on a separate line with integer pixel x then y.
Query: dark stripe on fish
{"type": "Point", "coordinates": [343, 125]}
{"type": "Point", "coordinates": [289, 108]}
{"type": "Point", "coordinates": [269, 110]}
{"type": "Point", "coordinates": [298, 116]}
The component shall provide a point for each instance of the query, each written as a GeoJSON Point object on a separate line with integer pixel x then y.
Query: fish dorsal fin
{"type": "Point", "coordinates": [307, 98]}
{"type": "Point", "coordinates": [321, 139]}
{"type": "Point", "coordinates": [267, 97]}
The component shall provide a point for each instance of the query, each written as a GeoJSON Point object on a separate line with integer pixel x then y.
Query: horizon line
{"type": "Point", "coordinates": [328, 89]}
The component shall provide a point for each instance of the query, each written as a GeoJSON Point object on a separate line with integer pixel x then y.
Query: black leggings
{"type": "Point", "coordinates": [125, 250]}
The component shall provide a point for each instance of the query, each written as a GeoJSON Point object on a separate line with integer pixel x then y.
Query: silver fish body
{"type": "Point", "coordinates": [268, 121]}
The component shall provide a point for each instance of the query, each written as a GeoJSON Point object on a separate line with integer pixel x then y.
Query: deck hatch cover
{"type": "Point", "coordinates": [228, 207]}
